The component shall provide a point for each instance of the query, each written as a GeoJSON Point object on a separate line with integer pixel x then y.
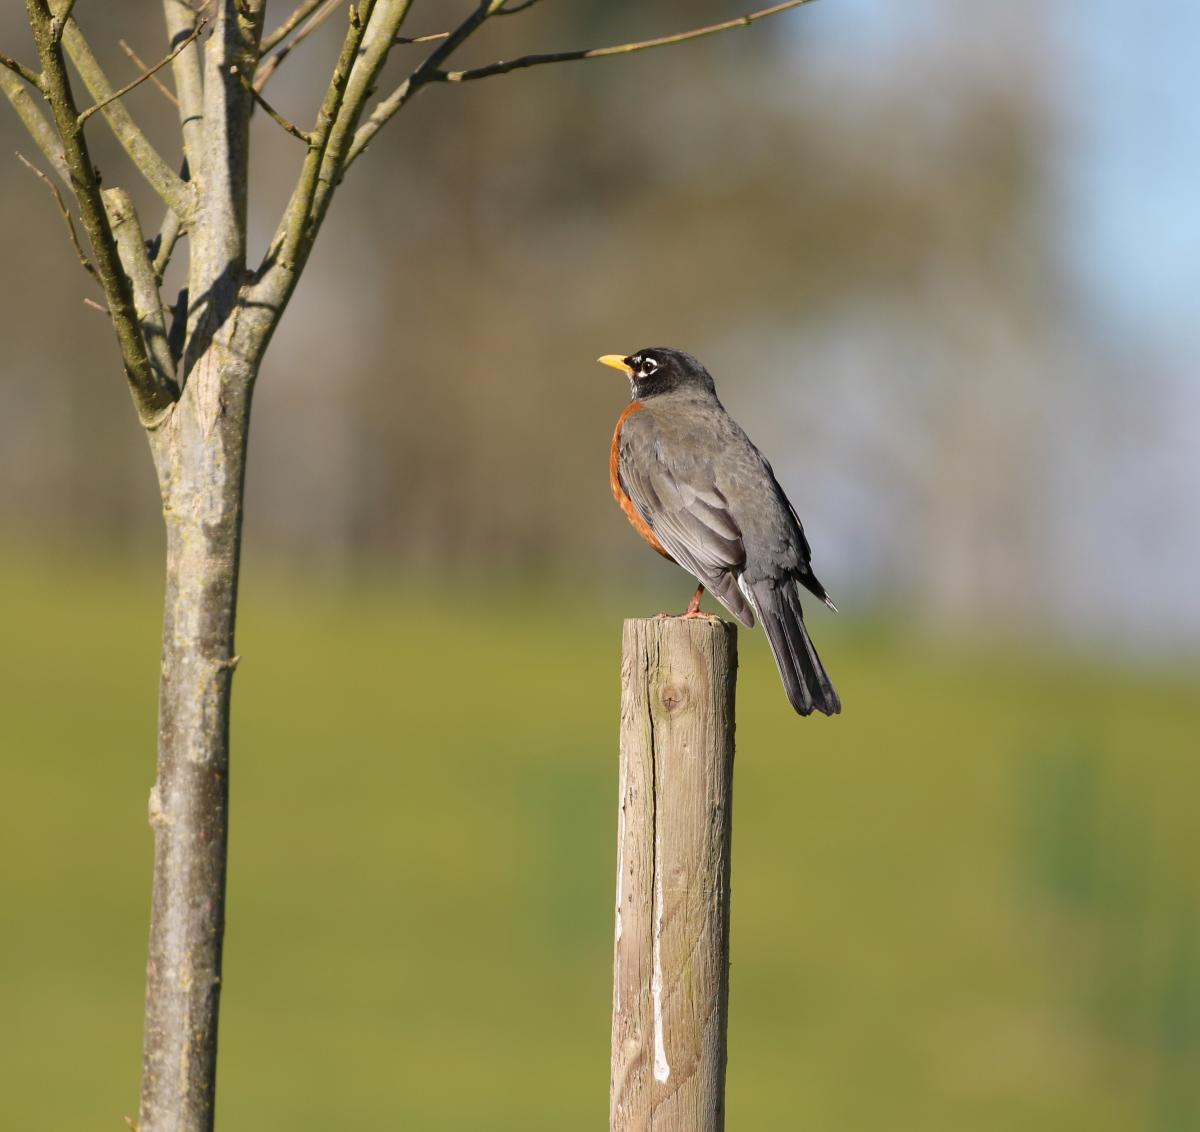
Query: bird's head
{"type": "Point", "coordinates": [659, 369]}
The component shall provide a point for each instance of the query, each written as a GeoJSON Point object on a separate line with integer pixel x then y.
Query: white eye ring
{"type": "Point", "coordinates": [649, 365]}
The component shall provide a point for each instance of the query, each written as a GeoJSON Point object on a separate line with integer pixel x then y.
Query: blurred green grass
{"type": "Point", "coordinates": [970, 902]}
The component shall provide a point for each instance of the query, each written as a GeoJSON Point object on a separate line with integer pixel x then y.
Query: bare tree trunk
{"type": "Point", "coordinates": [200, 452]}
{"type": "Point", "coordinates": [671, 954]}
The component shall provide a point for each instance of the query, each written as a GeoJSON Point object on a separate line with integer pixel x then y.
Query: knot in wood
{"type": "Point", "coordinates": [673, 697]}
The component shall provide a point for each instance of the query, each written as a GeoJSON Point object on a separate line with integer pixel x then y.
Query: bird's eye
{"type": "Point", "coordinates": [649, 365]}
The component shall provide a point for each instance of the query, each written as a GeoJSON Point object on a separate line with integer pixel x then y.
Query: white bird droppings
{"type": "Point", "coordinates": [661, 1069]}
{"type": "Point", "coordinates": [620, 879]}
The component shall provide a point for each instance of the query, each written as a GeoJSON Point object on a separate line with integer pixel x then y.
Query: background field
{"type": "Point", "coordinates": [964, 904]}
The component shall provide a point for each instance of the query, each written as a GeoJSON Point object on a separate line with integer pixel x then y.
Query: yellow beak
{"type": "Point", "coordinates": [617, 362]}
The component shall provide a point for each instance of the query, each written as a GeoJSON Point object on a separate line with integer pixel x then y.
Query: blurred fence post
{"type": "Point", "coordinates": [671, 954]}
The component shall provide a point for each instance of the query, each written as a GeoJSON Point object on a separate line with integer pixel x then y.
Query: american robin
{"type": "Point", "coordinates": [699, 492]}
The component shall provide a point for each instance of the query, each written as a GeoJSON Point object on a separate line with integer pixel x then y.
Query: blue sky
{"type": "Point", "coordinates": [1120, 84]}
{"type": "Point", "coordinates": [1132, 88]}
{"type": "Point", "coordinates": [1125, 79]}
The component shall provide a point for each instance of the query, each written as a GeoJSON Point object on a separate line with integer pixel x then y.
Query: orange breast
{"type": "Point", "coordinates": [623, 501]}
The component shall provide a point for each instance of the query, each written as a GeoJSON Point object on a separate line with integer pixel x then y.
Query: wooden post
{"type": "Point", "coordinates": [671, 955]}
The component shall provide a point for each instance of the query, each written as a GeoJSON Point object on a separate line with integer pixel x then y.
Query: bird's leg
{"type": "Point", "coordinates": [693, 609]}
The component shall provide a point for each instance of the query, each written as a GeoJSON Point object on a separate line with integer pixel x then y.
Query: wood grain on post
{"type": "Point", "coordinates": [671, 955]}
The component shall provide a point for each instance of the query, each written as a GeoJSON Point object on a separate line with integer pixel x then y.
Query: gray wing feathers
{"type": "Point", "coordinates": [692, 522]}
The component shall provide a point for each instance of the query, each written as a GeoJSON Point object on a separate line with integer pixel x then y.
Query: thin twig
{"type": "Point", "coordinates": [424, 72]}
{"type": "Point", "coordinates": [504, 66]}
{"type": "Point", "coordinates": [430, 69]}
{"type": "Point", "coordinates": [154, 398]}
{"type": "Point", "coordinates": [432, 37]}
{"type": "Point", "coordinates": [267, 68]}
{"type": "Point", "coordinates": [86, 114]}
{"type": "Point", "coordinates": [163, 89]}
{"type": "Point", "coordinates": [302, 12]}
{"type": "Point", "coordinates": [95, 305]}
{"type": "Point", "coordinates": [88, 266]}
{"type": "Point", "coordinates": [295, 131]}
{"type": "Point", "coordinates": [33, 79]}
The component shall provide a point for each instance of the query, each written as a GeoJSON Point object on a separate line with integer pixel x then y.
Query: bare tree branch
{"type": "Point", "coordinates": [159, 175]}
{"type": "Point", "coordinates": [152, 396]}
{"type": "Point", "coordinates": [425, 72]}
{"type": "Point", "coordinates": [159, 85]}
{"type": "Point", "coordinates": [34, 120]}
{"type": "Point", "coordinates": [268, 67]}
{"type": "Point", "coordinates": [146, 298]}
{"type": "Point", "coordinates": [32, 79]}
{"type": "Point", "coordinates": [295, 131]}
{"type": "Point", "coordinates": [430, 69]}
{"type": "Point", "coordinates": [123, 91]}
{"type": "Point", "coordinates": [294, 224]}
{"type": "Point", "coordinates": [87, 264]}
{"type": "Point", "coordinates": [503, 67]}
{"type": "Point", "coordinates": [181, 19]}
{"type": "Point", "coordinates": [302, 12]}
{"type": "Point", "coordinates": [363, 55]}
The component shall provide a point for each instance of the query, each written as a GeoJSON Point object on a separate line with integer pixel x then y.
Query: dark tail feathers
{"type": "Point", "coordinates": [804, 677]}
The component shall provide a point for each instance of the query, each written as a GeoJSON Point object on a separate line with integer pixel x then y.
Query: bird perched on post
{"type": "Point", "coordinates": [698, 491]}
